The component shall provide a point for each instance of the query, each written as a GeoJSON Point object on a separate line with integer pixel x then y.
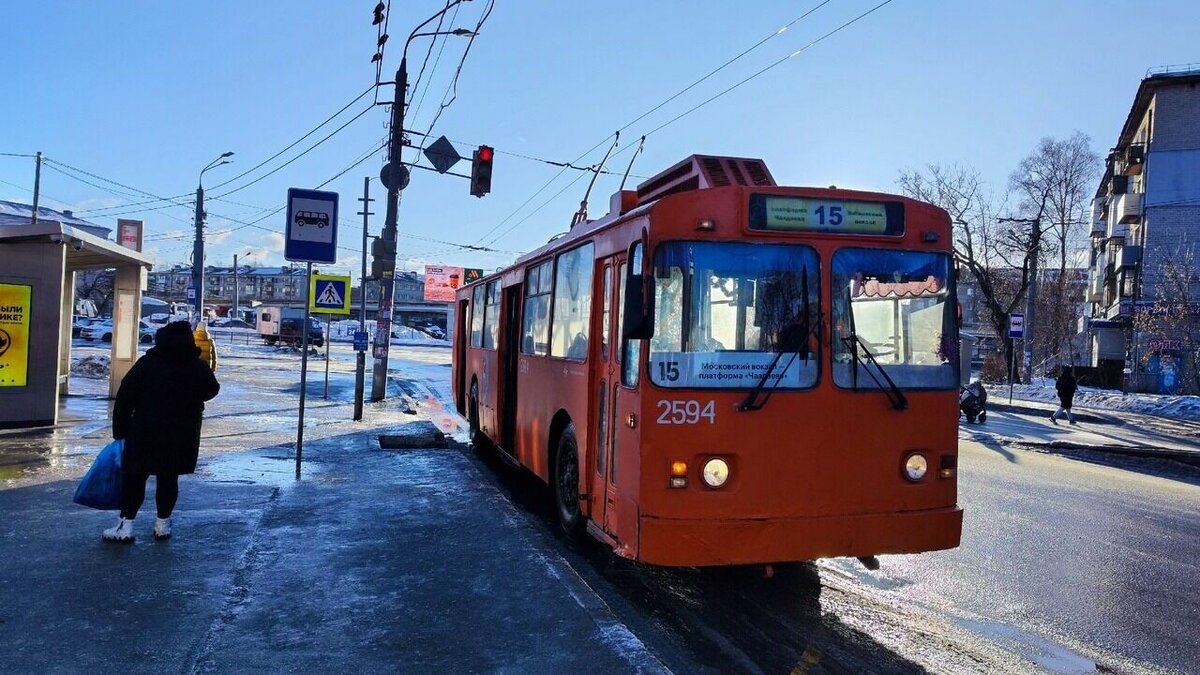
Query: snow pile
{"type": "Point", "coordinates": [1042, 390]}
{"type": "Point", "coordinates": [91, 367]}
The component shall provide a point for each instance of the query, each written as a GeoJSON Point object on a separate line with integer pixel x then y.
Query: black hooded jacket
{"type": "Point", "coordinates": [160, 404]}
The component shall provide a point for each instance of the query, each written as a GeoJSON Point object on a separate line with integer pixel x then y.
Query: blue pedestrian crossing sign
{"type": "Point", "coordinates": [329, 294]}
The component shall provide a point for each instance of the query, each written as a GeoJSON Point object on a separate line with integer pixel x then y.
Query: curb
{"type": "Point", "coordinates": [1182, 456]}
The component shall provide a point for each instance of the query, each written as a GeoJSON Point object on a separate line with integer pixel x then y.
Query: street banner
{"type": "Point", "coordinates": [15, 301]}
{"type": "Point", "coordinates": [329, 294]}
{"type": "Point", "coordinates": [441, 282]}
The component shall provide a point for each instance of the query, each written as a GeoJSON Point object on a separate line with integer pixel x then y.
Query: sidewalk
{"type": "Point", "coordinates": [377, 561]}
{"type": "Point", "coordinates": [1124, 433]}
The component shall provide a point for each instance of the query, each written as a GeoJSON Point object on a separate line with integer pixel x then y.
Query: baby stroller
{"type": "Point", "coordinates": [972, 401]}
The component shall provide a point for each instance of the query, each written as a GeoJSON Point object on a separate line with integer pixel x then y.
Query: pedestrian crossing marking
{"type": "Point", "coordinates": [329, 297]}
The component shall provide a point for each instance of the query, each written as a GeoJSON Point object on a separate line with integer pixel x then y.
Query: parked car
{"type": "Point", "coordinates": [78, 323]}
{"type": "Point", "coordinates": [229, 323]}
{"type": "Point", "coordinates": [103, 331]}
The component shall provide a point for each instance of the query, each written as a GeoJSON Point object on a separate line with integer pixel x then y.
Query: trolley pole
{"type": "Point", "coordinates": [360, 358]}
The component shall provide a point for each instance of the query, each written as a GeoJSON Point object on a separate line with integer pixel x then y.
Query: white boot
{"type": "Point", "coordinates": [162, 528]}
{"type": "Point", "coordinates": [122, 532]}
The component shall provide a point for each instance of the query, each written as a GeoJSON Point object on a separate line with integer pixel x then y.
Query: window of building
{"type": "Point", "coordinates": [535, 318]}
{"type": "Point", "coordinates": [572, 303]}
{"type": "Point", "coordinates": [477, 313]}
{"type": "Point", "coordinates": [491, 318]}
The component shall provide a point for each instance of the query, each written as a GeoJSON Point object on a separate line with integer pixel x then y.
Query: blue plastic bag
{"type": "Point", "coordinates": [101, 485]}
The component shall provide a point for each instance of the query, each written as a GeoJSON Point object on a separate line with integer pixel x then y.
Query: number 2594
{"type": "Point", "coordinates": [686, 412]}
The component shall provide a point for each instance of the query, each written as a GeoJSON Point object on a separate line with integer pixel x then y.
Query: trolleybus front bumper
{"type": "Point", "coordinates": [681, 542]}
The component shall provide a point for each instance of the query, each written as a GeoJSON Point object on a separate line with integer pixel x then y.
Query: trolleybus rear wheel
{"type": "Point", "coordinates": [566, 483]}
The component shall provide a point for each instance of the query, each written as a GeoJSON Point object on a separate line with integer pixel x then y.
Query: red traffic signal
{"type": "Point", "coordinates": [481, 171]}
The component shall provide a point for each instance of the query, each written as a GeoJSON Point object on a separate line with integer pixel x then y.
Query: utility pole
{"type": "Point", "coordinates": [387, 279]}
{"type": "Point", "coordinates": [37, 187]}
{"type": "Point", "coordinates": [1030, 293]}
{"type": "Point", "coordinates": [361, 357]}
{"type": "Point", "coordinates": [236, 315]}
{"type": "Point", "coordinates": [198, 254]}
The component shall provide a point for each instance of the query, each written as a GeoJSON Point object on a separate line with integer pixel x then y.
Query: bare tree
{"type": "Point", "coordinates": [97, 286]}
{"type": "Point", "coordinates": [982, 245]}
{"type": "Point", "coordinates": [1053, 186]}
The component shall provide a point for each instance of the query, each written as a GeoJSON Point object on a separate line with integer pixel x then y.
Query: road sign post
{"type": "Point", "coordinates": [1016, 331]}
{"type": "Point", "coordinates": [311, 237]}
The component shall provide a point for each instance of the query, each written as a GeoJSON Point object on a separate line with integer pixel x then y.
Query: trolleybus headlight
{"type": "Point", "coordinates": [915, 466]}
{"type": "Point", "coordinates": [716, 472]}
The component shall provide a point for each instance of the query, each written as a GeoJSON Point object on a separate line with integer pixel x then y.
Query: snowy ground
{"type": "Point", "coordinates": [1104, 400]}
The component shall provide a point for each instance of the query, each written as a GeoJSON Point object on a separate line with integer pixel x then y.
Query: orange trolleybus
{"type": "Point", "coordinates": [725, 371]}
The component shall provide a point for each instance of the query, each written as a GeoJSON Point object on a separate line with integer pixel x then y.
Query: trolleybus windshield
{"type": "Point", "coordinates": [897, 307]}
{"type": "Point", "coordinates": [724, 310]}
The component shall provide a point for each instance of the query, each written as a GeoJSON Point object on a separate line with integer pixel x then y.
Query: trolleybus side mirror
{"type": "Point", "coordinates": [638, 304]}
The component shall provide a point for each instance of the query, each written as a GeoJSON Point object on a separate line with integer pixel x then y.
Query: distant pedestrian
{"type": "Point", "coordinates": [158, 412]}
{"type": "Point", "coordinates": [1066, 387]}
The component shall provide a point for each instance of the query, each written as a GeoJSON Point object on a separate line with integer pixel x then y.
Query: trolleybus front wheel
{"type": "Point", "coordinates": [476, 435]}
{"type": "Point", "coordinates": [566, 483]}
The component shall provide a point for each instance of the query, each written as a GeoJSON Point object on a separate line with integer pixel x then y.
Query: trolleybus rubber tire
{"type": "Point", "coordinates": [566, 484]}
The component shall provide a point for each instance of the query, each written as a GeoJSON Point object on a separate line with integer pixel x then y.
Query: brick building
{"type": "Point", "coordinates": [1145, 226]}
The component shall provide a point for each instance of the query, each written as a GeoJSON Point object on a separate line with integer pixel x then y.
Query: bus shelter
{"type": "Point", "coordinates": [38, 263]}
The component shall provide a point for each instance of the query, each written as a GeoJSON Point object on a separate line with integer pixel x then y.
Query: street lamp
{"type": "Point", "coordinates": [395, 147]}
{"type": "Point", "coordinates": [198, 249]}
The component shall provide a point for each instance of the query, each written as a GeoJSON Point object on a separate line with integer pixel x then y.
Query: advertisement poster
{"type": "Point", "coordinates": [441, 282]}
{"type": "Point", "coordinates": [14, 334]}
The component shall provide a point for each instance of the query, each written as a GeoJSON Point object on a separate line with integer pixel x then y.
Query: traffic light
{"type": "Point", "coordinates": [481, 171]}
{"type": "Point", "coordinates": [381, 251]}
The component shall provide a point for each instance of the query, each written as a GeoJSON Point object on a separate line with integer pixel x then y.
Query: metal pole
{"type": "Point", "coordinates": [235, 296]}
{"type": "Point", "coordinates": [327, 345]}
{"type": "Point", "coordinates": [198, 254]}
{"type": "Point", "coordinates": [303, 381]}
{"type": "Point", "coordinates": [37, 187]}
{"type": "Point", "coordinates": [387, 279]}
{"type": "Point", "coordinates": [360, 357]}
{"type": "Point", "coordinates": [1012, 359]}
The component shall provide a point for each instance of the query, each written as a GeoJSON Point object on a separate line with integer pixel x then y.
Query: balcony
{"type": "Point", "coordinates": [1129, 208]}
{"type": "Point", "coordinates": [1117, 229]}
{"type": "Point", "coordinates": [1095, 290]}
{"type": "Point", "coordinates": [1135, 159]}
{"type": "Point", "coordinates": [1124, 307]}
{"type": "Point", "coordinates": [1099, 216]}
{"type": "Point", "coordinates": [1129, 256]}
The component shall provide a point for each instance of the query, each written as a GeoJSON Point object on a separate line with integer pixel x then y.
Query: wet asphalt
{"type": "Point", "coordinates": [397, 562]}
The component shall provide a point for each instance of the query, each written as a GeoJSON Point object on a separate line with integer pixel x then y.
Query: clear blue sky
{"type": "Point", "coordinates": [147, 93]}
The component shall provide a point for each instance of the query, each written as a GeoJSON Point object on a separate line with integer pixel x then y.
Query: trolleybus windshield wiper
{"type": "Point", "coordinates": [893, 392]}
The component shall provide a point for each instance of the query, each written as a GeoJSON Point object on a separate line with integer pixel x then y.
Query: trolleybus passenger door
{"type": "Point", "coordinates": [605, 381]}
{"type": "Point", "coordinates": [510, 344]}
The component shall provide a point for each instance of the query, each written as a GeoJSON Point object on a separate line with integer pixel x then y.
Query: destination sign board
{"type": "Point", "coordinates": [841, 216]}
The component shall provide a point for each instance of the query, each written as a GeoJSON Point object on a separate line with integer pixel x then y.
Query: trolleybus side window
{"type": "Point", "coordinates": [734, 315]}
{"type": "Point", "coordinates": [535, 317]}
{"type": "Point", "coordinates": [606, 313]}
{"type": "Point", "coordinates": [896, 307]}
{"type": "Point", "coordinates": [631, 350]}
{"type": "Point", "coordinates": [491, 319]}
{"type": "Point", "coordinates": [477, 316]}
{"type": "Point", "coordinates": [572, 313]}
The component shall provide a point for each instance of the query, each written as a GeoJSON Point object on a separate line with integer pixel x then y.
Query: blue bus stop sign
{"type": "Point", "coordinates": [360, 341]}
{"type": "Point", "coordinates": [1016, 326]}
{"type": "Point", "coordinates": [311, 229]}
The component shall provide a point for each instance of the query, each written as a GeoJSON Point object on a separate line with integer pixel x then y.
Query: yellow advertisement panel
{"type": "Point", "coordinates": [441, 282]}
{"type": "Point", "coordinates": [14, 334]}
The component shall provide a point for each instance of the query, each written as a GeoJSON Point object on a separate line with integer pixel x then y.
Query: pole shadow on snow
{"type": "Point", "coordinates": [730, 619]}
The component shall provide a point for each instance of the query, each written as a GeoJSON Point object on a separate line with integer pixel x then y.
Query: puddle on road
{"type": "Point", "coordinates": [1045, 653]}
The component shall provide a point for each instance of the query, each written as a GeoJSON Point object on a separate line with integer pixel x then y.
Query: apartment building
{"type": "Point", "coordinates": [1145, 227]}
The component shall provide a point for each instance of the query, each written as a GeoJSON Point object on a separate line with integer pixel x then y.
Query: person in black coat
{"type": "Point", "coordinates": [1066, 387]}
{"type": "Point", "coordinates": [158, 411]}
